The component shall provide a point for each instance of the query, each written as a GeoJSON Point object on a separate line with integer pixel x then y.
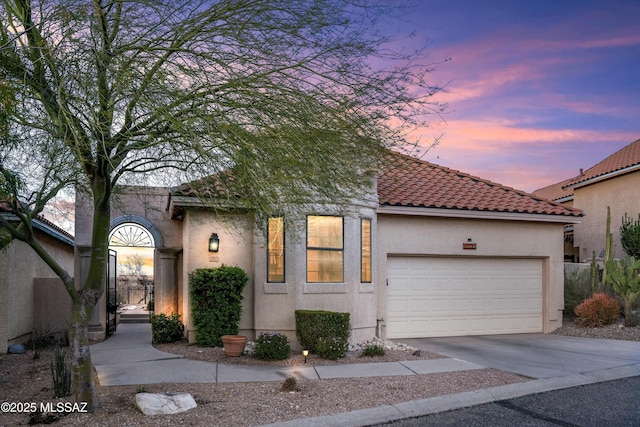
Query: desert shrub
{"type": "Point", "coordinates": [61, 373]}
{"type": "Point", "coordinates": [166, 329]}
{"type": "Point", "coordinates": [577, 287]}
{"type": "Point", "coordinates": [599, 310]}
{"type": "Point", "coordinates": [311, 325]}
{"type": "Point", "coordinates": [373, 350]}
{"type": "Point", "coordinates": [332, 348]}
{"type": "Point", "coordinates": [272, 346]}
{"type": "Point", "coordinates": [289, 385]}
{"type": "Point", "coordinates": [216, 303]}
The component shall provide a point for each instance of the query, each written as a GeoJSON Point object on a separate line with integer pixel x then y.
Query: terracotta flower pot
{"type": "Point", "coordinates": [234, 344]}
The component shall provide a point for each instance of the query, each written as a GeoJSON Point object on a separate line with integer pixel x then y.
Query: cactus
{"type": "Point", "coordinates": [608, 253]}
{"type": "Point", "coordinates": [626, 284]}
{"type": "Point", "coordinates": [594, 273]}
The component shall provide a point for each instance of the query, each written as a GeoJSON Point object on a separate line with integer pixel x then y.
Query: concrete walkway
{"type": "Point", "coordinates": [555, 362]}
{"type": "Point", "coordinates": [128, 358]}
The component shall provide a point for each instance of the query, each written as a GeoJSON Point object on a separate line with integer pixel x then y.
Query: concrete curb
{"type": "Point", "coordinates": [433, 405]}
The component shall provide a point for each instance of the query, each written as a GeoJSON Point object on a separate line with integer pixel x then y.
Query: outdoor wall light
{"type": "Point", "coordinates": [305, 353]}
{"type": "Point", "coordinates": [214, 242]}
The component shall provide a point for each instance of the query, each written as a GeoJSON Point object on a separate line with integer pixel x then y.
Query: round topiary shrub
{"type": "Point", "coordinates": [272, 346]}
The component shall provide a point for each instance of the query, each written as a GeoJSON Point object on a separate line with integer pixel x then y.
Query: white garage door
{"type": "Point", "coordinates": [432, 296]}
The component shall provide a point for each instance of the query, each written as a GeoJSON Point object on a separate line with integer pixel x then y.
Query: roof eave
{"type": "Point", "coordinates": [44, 227]}
{"type": "Point", "coordinates": [564, 199]}
{"type": "Point", "coordinates": [605, 176]}
{"type": "Point", "coordinates": [476, 214]}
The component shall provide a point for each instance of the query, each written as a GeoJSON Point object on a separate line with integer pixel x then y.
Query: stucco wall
{"type": "Point", "coordinates": [406, 235]}
{"type": "Point", "coordinates": [20, 265]}
{"type": "Point", "coordinates": [150, 204]}
{"type": "Point", "coordinates": [622, 195]}
{"type": "Point", "coordinates": [236, 249]}
{"type": "Point", "coordinates": [275, 303]}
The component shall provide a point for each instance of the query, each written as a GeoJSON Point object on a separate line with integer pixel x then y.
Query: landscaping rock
{"type": "Point", "coordinates": [164, 403]}
{"type": "Point", "coordinates": [16, 349]}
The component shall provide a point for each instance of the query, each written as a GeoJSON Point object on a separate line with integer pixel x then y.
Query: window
{"type": "Point", "coordinates": [365, 254]}
{"type": "Point", "coordinates": [275, 250]}
{"type": "Point", "coordinates": [325, 249]}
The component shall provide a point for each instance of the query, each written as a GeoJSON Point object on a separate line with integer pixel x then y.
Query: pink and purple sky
{"type": "Point", "coordinates": [537, 89]}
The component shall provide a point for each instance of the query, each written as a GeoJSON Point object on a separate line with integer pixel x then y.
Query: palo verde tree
{"type": "Point", "coordinates": [297, 99]}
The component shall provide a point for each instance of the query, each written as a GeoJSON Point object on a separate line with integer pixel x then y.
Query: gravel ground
{"type": "Point", "coordinates": [25, 379]}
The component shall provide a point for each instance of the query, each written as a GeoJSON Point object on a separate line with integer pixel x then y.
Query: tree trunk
{"type": "Point", "coordinates": [89, 294]}
{"type": "Point", "coordinates": [82, 368]}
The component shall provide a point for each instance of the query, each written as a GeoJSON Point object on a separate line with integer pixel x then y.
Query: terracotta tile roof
{"type": "Point", "coordinates": [6, 207]}
{"type": "Point", "coordinates": [410, 182]}
{"type": "Point", "coordinates": [626, 157]}
{"type": "Point", "coordinates": [555, 191]}
{"type": "Point", "coordinates": [212, 186]}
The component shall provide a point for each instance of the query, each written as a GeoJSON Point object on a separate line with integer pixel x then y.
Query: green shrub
{"type": "Point", "coordinates": [332, 348]}
{"type": "Point", "coordinates": [311, 325]}
{"type": "Point", "coordinates": [272, 346]}
{"type": "Point", "coordinates": [373, 350]}
{"type": "Point", "coordinates": [166, 329]}
{"type": "Point", "coordinates": [599, 310]}
{"type": "Point", "coordinates": [216, 303]}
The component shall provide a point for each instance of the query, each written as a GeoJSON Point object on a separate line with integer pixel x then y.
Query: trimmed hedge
{"type": "Point", "coordinates": [312, 325]}
{"type": "Point", "coordinates": [216, 303]}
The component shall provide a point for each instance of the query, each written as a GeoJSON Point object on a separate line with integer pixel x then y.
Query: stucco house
{"type": "Point", "coordinates": [32, 298]}
{"type": "Point", "coordinates": [613, 182]}
{"type": "Point", "coordinates": [432, 252]}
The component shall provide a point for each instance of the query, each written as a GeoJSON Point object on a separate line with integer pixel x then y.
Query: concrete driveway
{"type": "Point", "coordinates": [534, 355]}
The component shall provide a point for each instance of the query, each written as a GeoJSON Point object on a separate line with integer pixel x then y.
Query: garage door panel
{"type": "Point", "coordinates": [429, 296]}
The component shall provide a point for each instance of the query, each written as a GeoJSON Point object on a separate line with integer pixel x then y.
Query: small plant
{"type": "Point", "coordinates": [166, 329]}
{"type": "Point", "coordinates": [61, 374]}
{"type": "Point", "coordinates": [141, 389]}
{"type": "Point", "coordinates": [372, 350]}
{"type": "Point", "coordinates": [332, 348]}
{"type": "Point", "coordinates": [289, 385]}
{"type": "Point", "coordinates": [599, 310]}
{"type": "Point", "coordinates": [272, 346]}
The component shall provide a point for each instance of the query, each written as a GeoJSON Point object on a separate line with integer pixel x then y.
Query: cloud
{"type": "Point", "coordinates": [523, 157]}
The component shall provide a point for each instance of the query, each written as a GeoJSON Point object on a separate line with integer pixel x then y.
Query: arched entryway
{"type": "Point", "coordinates": [135, 248]}
{"type": "Point", "coordinates": [134, 240]}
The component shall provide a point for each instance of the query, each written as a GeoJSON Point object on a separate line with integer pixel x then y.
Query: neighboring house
{"type": "Point", "coordinates": [431, 252]}
{"type": "Point", "coordinates": [33, 299]}
{"type": "Point", "coordinates": [614, 183]}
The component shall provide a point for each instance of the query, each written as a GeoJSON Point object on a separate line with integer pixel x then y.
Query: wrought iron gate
{"type": "Point", "coordinates": [111, 297]}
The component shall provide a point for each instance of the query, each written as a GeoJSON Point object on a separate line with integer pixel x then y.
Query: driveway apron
{"type": "Point", "coordinates": [534, 355]}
